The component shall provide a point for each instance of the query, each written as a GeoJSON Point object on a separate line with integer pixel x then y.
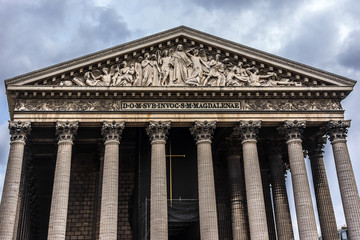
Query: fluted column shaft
{"type": "Point", "coordinates": [322, 191]}
{"type": "Point", "coordinates": [60, 193]}
{"type": "Point", "coordinates": [10, 195]}
{"type": "Point", "coordinates": [202, 132]}
{"type": "Point", "coordinates": [349, 192]}
{"type": "Point", "coordinates": [302, 195]}
{"type": "Point", "coordinates": [254, 191]}
{"type": "Point", "coordinates": [157, 132]}
{"type": "Point", "coordinates": [110, 182]}
{"type": "Point", "coordinates": [237, 191]}
{"type": "Point", "coordinates": [281, 203]}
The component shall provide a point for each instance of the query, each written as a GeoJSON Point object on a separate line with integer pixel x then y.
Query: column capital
{"type": "Point", "coordinates": [203, 131]}
{"type": "Point", "coordinates": [337, 130]}
{"type": "Point", "coordinates": [158, 131]}
{"type": "Point", "coordinates": [233, 146]}
{"type": "Point", "coordinates": [19, 130]}
{"type": "Point", "coordinates": [66, 131]}
{"type": "Point", "coordinates": [315, 146]}
{"type": "Point", "coordinates": [112, 131]}
{"type": "Point", "coordinates": [248, 130]}
{"type": "Point", "coordinates": [292, 130]}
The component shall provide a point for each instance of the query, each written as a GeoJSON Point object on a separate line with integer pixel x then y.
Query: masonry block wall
{"type": "Point", "coordinates": [126, 188]}
{"type": "Point", "coordinates": [82, 209]}
{"type": "Point", "coordinates": [222, 198]}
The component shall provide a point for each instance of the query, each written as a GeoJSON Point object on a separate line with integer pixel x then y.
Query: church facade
{"type": "Point", "coordinates": [178, 135]}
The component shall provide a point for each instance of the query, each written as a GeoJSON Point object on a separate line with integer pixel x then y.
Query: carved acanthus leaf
{"type": "Point", "coordinates": [337, 130]}
{"type": "Point", "coordinates": [292, 129]}
{"type": "Point", "coordinates": [19, 130]}
{"type": "Point", "coordinates": [203, 130]}
{"type": "Point", "coordinates": [66, 131]}
{"type": "Point", "coordinates": [112, 130]}
{"type": "Point", "coordinates": [158, 131]}
{"type": "Point", "coordinates": [248, 130]}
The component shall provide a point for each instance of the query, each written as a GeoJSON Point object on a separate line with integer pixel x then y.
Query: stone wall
{"type": "Point", "coordinates": [126, 188]}
{"type": "Point", "coordinates": [82, 210]}
{"type": "Point", "coordinates": [85, 199]}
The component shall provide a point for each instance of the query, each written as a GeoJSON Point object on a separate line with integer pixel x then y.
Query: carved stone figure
{"type": "Point", "coordinates": [156, 71]}
{"type": "Point", "coordinates": [215, 76]}
{"type": "Point", "coordinates": [147, 70]}
{"type": "Point", "coordinates": [138, 72]}
{"type": "Point", "coordinates": [237, 76]}
{"type": "Point", "coordinates": [124, 77]}
{"type": "Point", "coordinates": [255, 78]}
{"type": "Point", "coordinates": [164, 62]}
{"type": "Point", "coordinates": [196, 76]}
{"type": "Point", "coordinates": [180, 62]}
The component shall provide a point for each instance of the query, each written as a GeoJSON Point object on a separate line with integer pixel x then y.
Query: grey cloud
{"type": "Point", "coordinates": [107, 27]}
{"type": "Point", "coordinates": [350, 53]}
{"type": "Point", "coordinates": [47, 32]}
{"type": "Point", "coordinates": [316, 37]}
{"type": "Point", "coordinates": [273, 7]}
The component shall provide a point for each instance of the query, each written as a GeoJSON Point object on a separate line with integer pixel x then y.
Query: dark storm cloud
{"type": "Point", "coordinates": [47, 32]}
{"type": "Point", "coordinates": [349, 55]}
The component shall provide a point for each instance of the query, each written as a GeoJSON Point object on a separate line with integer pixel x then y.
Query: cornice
{"type": "Point", "coordinates": [191, 34]}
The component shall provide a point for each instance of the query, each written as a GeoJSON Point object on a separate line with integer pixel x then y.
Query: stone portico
{"type": "Point", "coordinates": [92, 139]}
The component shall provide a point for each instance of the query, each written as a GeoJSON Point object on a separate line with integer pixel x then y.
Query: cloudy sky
{"type": "Point", "coordinates": [320, 33]}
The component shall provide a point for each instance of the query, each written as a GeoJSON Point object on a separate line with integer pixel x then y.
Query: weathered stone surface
{"type": "Point", "coordinates": [292, 131]}
{"type": "Point", "coordinates": [239, 218]}
{"type": "Point", "coordinates": [321, 187]}
{"type": "Point", "coordinates": [337, 132]}
{"type": "Point", "coordinates": [157, 132]}
{"type": "Point", "coordinates": [248, 131]}
{"type": "Point", "coordinates": [202, 132]}
{"type": "Point", "coordinates": [10, 195]}
{"type": "Point", "coordinates": [60, 197]}
{"type": "Point", "coordinates": [281, 203]}
{"type": "Point", "coordinates": [109, 198]}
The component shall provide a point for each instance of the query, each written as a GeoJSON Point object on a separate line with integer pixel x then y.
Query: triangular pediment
{"type": "Point", "coordinates": [180, 57]}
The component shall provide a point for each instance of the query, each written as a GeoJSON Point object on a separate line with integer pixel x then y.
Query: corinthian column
{"type": "Point", "coordinates": [337, 132]}
{"type": "Point", "coordinates": [322, 191]}
{"type": "Point", "coordinates": [109, 197]}
{"type": "Point", "coordinates": [281, 203]}
{"type": "Point", "coordinates": [157, 132]}
{"type": "Point", "coordinates": [237, 190]}
{"type": "Point", "coordinates": [254, 191]}
{"type": "Point", "coordinates": [10, 196]}
{"type": "Point", "coordinates": [202, 132]}
{"type": "Point", "coordinates": [303, 203]}
{"type": "Point", "coordinates": [60, 195]}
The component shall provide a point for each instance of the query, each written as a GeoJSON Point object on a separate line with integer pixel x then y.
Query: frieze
{"type": "Point", "coordinates": [182, 65]}
{"type": "Point", "coordinates": [107, 105]}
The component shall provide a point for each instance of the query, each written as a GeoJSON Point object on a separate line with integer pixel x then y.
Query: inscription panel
{"type": "Point", "coordinates": [107, 105]}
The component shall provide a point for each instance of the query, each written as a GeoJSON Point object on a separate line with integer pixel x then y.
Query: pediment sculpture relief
{"type": "Point", "coordinates": [181, 67]}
